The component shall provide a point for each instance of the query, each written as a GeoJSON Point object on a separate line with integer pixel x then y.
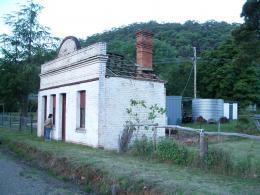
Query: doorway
{"type": "Point", "coordinates": [63, 117]}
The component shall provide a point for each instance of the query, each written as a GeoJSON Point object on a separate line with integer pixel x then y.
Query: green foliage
{"type": "Point", "coordinates": [251, 14]}
{"type": "Point", "coordinates": [245, 124]}
{"type": "Point", "coordinates": [216, 73]}
{"type": "Point", "coordinates": [239, 158]}
{"type": "Point", "coordinates": [248, 167]}
{"type": "Point", "coordinates": [177, 78]}
{"type": "Point", "coordinates": [227, 64]}
{"type": "Point", "coordinates": [142, 147]}
{"type": "Point", "coordinates": [228, 71]}
{"type": "Point", "coordinates": [141, 113]}
{"type": "Point", "coordinates": [231, 126]}
{"type": "Point", "coordinates": [247, 62]}
{"type": "Point", "coordinates": [170, 150]}
{"type": "Point", "coordinates": [130, 173]}
{"type": "Point", "coordinates": [154, 111]}
{"type": "Point", "coordinates": [218, 160]}
{"type": "Point", "coordinates": [28, 45]}
{"type": "Point", "coordinates": [173, 44]}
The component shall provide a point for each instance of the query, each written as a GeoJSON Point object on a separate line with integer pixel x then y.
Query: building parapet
{"type": "Point", "coordinates": [78, 55]}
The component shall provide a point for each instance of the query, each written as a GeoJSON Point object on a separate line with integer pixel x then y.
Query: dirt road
{"type": "Point", "coordinates": [17, 178]}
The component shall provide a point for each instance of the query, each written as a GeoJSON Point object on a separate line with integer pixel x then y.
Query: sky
{"type": "Point", "coordinates": [83, 18]}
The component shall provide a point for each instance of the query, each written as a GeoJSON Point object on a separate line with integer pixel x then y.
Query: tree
{"type": "Point", "coordinates": [173, 42]}
{"type": "Point", "coordinates": [216, 72]}
{"type": "Point", "coordinates": [251, 14]}
{"type": "Point", "coordinates": [19, 65]}
{"type": "Point", "coordinates": [247, 63]}
{"type": "Point", "coordinates": [231, 71]}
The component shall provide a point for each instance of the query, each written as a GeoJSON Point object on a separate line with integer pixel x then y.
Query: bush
{"type": "Point", "coordinates": [223, 119]}
{"type": "Point", "coordinates": [125, 138]}
{"type": "Point", "coordinates": [171, 150]}
{"type": "Point", "coordinates": [142, 147]}
{"type": "Point", "coordinates": [186, 119]}
{"type": "Point", "coordinates": [212, 121]}
{"type": "Point", "coordinates": [200, 119]}
{"type": "Point", "coordinates": [218, 160]}
{"type": "Point", "coordinates": [246, 124]}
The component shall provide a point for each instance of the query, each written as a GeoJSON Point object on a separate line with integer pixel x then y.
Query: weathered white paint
{"type": "Point", "coordinates": [89, 136]}
{"type": "Point", "coordinates": [118, 93]}
{"type": "Point", "coordinates": [106, 98]}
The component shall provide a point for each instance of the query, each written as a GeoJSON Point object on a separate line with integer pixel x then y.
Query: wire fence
{"type": "Point", "coordinates": [17, 122]}
{"type": "Point", "coordinates": [173, 131]}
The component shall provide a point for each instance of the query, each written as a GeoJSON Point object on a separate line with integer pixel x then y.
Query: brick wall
{"type": "Point", "coordinates": [106, 98]}
{"type": "Point", "coordinates": [118, 93]}
{"type": "Point", "coordinates": [63, 76]}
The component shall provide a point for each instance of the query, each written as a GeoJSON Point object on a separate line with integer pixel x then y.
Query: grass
{"type": "Point", "coordinates": [245, 156]}
{"type": "Point", "coordinates": [133, 173]}
{"type": "Point", "coordinates": [241, 149]}
{"type": "Point", "coordinates": [226, 127]}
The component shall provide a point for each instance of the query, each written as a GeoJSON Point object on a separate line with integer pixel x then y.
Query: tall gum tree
{"type": "Point", "coordinates": [28, 44]}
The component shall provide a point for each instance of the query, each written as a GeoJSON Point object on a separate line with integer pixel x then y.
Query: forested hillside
{"type": "Point", "coordinates": [228, 55]}
{"type": "Point", "coordinates": [173, 47]}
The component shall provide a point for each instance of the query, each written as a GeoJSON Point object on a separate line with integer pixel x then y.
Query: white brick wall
{"type": "Point", "coordinates": [118, 93]}
{"type": "Point", "coordinates": [85, 72]}
{"type": "Point", "coordinates": [106, 98]}
{"type": "Point", "coordinates": [75, 57]}
{"type": "Point", "coordinates": [78, 66]}
{"type": "Point", "coordinates": [90, 136]}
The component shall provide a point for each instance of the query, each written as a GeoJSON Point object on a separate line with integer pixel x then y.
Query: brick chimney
{"type": "Point", "coordinates": [144, 50]}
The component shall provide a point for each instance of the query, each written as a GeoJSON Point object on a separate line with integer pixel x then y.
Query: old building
{"type": "Point", "coordinates": [88, 90]}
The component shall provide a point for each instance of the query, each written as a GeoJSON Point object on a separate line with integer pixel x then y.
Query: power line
{"type": "Point", "coordinates": [187, 81]}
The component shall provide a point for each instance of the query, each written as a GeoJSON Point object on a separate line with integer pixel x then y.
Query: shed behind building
{"type": "Point", "coordinates": [174, 111]}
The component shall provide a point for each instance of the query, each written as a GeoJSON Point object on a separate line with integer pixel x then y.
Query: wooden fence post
{"type": "Point", "coordinates": [203, 144]}
{"type": "Point", "coordinates": [155, 137]}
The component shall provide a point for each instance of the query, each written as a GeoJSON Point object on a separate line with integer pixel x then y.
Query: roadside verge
{"type": "Point", "coordinates": [107, 172]}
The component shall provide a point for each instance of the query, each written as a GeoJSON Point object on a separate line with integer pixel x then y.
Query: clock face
{"type": "Point", "coordinates": [68, 46]}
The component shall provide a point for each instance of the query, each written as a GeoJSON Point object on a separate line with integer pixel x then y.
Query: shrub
{"type": "Point", "coordinates": [171, 150]}
{"type": "Point", "coordinates": [246, 124]}
{"type": "Point", "coordinates": [186, 119]}
{"type": "Point", "coordinates": [212, 121]}
{"type": "Point", "coordinates": [142, 147]}
{"type": "Point", "coordinates": [218, 160]}
{"type": "Point", "coordinates": [223, 119]}
{"type": "Point", "coordinates": [200, 119]}
{"type": "Point", "coordinates": [125, 138]}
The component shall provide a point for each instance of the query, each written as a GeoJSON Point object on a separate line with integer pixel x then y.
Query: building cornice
{"type": "Point", "coordinates": [70, 84]}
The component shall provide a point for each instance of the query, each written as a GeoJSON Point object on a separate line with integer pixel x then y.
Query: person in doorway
{"type": "Point", "coordinates": [48, 124]}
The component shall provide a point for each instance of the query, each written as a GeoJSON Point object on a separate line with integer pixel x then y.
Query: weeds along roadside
{"type": "Point", "coordinates": [129, 181]}
{"type": "Point", "coordinates": [218, 160]}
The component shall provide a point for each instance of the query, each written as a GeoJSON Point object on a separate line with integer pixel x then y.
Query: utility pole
{"type": "Point", "coordinates": [195, 72]}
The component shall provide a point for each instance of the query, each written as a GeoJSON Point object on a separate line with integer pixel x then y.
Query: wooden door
{"type": "Point", "coordinates": [63, 126]}
{"type": "Point", "coordinates": [45, 107]}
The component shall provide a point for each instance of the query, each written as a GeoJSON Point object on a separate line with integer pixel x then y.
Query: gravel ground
{"type": "Point", "coordinates": [18, 178]}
